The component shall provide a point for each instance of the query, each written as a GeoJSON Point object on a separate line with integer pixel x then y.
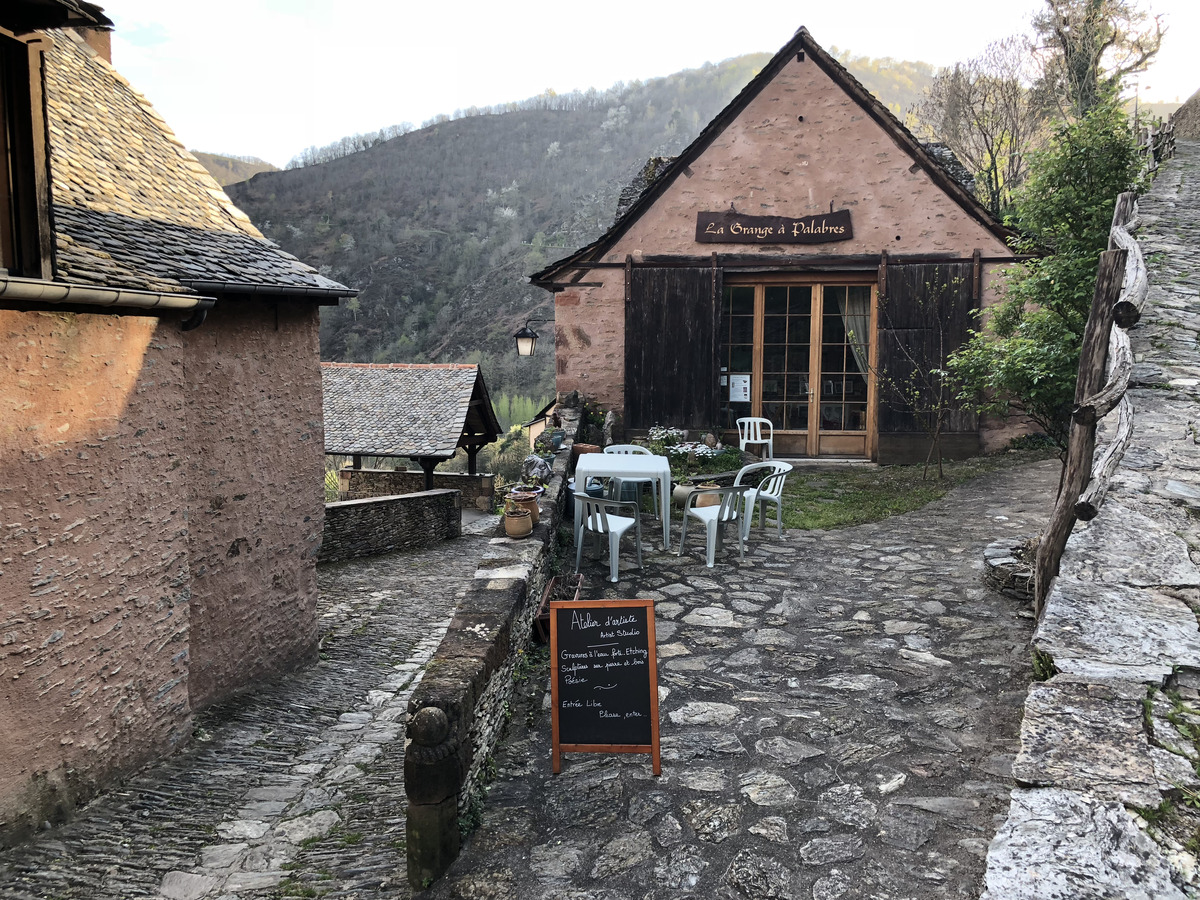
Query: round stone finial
{"type": "Point", "coordinates": [429, 727]}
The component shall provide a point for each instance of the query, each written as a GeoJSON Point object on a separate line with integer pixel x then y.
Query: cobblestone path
{"type": "Point", "coordinates": [839, 716]}
{"type": "Point", "coordinates": [304, 777]}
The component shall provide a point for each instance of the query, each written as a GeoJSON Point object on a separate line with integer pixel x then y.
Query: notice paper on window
{"type": "Point", "coordinates": [739, 388]}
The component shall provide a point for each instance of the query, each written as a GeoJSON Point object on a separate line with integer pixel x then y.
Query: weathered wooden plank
{"type": "Point", "coordinates": [671, 367]}
{"type": "Point", "coordinates": [1120, 367]}
{"type": "Point", "coordinates": [1136, 283]}
{"type": "Point", "coordinates": [1081, 440]}
{"type": "Point", "coordinates": [976, 275]}
{"type": "Point", "coordinates": [1105, 464]}
{"type": "Point", "coordinates": [1124, 214]}
{"type": "Point", "coordinates": [910, 335]}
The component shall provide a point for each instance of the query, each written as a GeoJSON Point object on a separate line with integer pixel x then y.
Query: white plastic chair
{"type": "Point", "coordinates": [630, 449]}
{"type": "Point", "coordinates": [769, 490]}
{"type": "Point", "coordinates": [756, 431]}
{"type": "Point", "coordinates": [598, 519]}
{"type": "Point", "coordinates": [715, 517]}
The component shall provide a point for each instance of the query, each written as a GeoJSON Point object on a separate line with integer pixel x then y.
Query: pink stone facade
{"type": "Point", "coordinates": [802, 146]}
{"type": "Point", "coordinates": [256, 499]}
{"type": "Point", "coordinates": [162, 512]}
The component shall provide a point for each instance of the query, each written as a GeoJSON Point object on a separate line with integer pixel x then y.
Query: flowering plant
{"type": "Point", "coordinates": [666, 437]}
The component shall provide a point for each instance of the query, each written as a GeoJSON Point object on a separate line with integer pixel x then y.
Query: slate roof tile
{"type": "Point", "coordinates": [132, 207]}
{"type": "Point", "coordinates": [398, 409]}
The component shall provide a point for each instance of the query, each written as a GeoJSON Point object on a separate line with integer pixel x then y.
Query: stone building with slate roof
{"type": "Point", "coordinates": [422, 412]}
{"type": "Point", "coordinates": [160, 427]}
{"type": "Point", "coordinates": [803, 246]}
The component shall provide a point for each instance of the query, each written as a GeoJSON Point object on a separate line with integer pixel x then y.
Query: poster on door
{"type": "Point", "coordinates": [739, 388]}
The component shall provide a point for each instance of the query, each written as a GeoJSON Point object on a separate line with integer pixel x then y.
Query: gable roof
{"type": "Point", "coordinates": [28, 15]}
{"type": "Point", "coordinates": [802, 42]}
{"type": "Point", "coordinates": [403, 409]}
{"type": "Point", "coordinates": [133, 209]}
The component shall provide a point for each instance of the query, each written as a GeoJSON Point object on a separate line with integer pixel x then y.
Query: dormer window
{"type": "Point", "coordinates": [25, 248]}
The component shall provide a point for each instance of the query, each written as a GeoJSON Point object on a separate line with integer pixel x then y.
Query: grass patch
{"type": "Point", "coordinates": [290, 887]}
{"type": "Point", "coordinates": [1043, 665]}
{"type": "Point", "coordinates": [840, 498]}
{"type": "Point", "coordinates": [1157, 815]}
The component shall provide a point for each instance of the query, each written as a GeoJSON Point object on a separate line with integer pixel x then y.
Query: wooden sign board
{"type": "Point", "coordinates": [604, 678]}
{"type": "Point", "coordinates": [736, 228]}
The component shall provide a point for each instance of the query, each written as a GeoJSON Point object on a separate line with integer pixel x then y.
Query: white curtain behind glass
{"type": "Point", "coordinates": [856, 317]}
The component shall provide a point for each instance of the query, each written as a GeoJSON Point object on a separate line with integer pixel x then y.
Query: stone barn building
{"type": "Point", "coordinates": [161, 447]}
{"type": "Point", "coordinates": [804, 250]}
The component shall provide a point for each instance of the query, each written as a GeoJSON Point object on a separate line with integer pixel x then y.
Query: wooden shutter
{"type": "Point", "coordinates": [916, 298]}
{"type": "Point", "coordinates": [671, 368]}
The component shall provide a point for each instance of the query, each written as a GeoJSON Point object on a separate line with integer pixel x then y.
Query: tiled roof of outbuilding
{"type": "Point", "coordinates": [132, 207]}
{"type": "Point", "coordinates": [402, 409]}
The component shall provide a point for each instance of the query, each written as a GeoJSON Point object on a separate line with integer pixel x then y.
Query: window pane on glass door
{"type": "Point", "coordinates": [787, 325]}
{"type": "Point", "coordinates": [845, 322]}
{"type": "Point", "coordinates": [737, 352]}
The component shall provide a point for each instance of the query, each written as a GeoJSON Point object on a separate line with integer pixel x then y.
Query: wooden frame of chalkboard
{"type": "Point", "coordinates": [604, 678]}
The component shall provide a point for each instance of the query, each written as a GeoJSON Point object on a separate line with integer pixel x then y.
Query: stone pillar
{"type": "Point", "coordinates": [433, 775]}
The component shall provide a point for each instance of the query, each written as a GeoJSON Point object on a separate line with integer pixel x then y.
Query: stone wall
{"type": "Point", "coordinates": [458, 713]}
{"type": "Point", "coordinates": [1111, 732]}
{"type": "Point", "coordinates": [378, 525]}
{"type": "Point", "coordinates": [94, 575]}
{"type": "Point", "coordinates": [256, 499]}
{"type": "Point", "coordinates": [161, 515]}
{"type": "Point", "coordinates": [478, 491]}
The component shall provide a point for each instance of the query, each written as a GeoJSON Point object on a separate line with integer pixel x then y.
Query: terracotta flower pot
{"type": "Point", "coordinates": [577, 450]}
{"type": "Point", "coordinates": [526, 500]}
{"type": "Point", "coordinates": [518, 524]}
{"type": "Point", "coordinates": [708, 499]}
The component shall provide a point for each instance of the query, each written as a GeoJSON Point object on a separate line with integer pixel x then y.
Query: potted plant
{"type": "Point", "coordinates": [544, 446]}
{"type": "Point", "coordinates": [517, 520]}
{"type": "Point", "coordinates": [531, 486]}
{"type": "Point", "coordinates": [527, 500]}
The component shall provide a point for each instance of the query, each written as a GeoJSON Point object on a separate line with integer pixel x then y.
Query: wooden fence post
{"type": "Point", "coordinates": [1081, 441]}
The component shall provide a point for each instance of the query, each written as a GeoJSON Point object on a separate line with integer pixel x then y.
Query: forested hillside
{"type": "Point", "coordinates": [439, 227]}
{"type": "Point", "coordinates": [232, 169]}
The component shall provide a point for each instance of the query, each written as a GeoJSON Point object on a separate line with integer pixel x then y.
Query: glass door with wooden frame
{"type": "Point", "coordinates": [800, 355]}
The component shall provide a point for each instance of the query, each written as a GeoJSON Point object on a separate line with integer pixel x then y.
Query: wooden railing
{"type": "Point", "coordinates": [1156, 144]}
{"type": "Point", "coordinates": [1105, 365]}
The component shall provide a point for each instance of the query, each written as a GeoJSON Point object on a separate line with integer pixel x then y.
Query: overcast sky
{"type": "Point", "coordinates": [269, 78]}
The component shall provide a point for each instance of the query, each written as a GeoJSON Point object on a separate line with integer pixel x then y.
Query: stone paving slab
{"type": "Point", "coordinates": [1088, 737]}
{"type": "Point", "coordinates": [1113, 631]}
{"type": "Point", "coordinates": [1062, 845]}
{"type": "Point", "coordinates": [839, 716]}
{"type": "Point", "coordinates": [1150, 554]}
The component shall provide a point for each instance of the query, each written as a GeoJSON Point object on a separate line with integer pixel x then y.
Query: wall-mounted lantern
{"type": "Point", "coordinates": [526, 338]}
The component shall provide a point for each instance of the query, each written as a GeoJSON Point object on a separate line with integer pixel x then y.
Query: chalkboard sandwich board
{"type": "Point", "coordinates": [604, 678]}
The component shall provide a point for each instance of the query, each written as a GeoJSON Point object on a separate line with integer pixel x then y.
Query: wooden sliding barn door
{"type": "Point", "coordinates": [925, 312]}
{"type": "Point", "coordinates": [671, 368]}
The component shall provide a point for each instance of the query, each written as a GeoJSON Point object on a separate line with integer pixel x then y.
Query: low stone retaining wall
{"type": "Point", "coordinates": [458, 713]}
{"type": "Point", "coordinates": [478, 491]}
{"type": "Point", "coordinates": [378, 525]}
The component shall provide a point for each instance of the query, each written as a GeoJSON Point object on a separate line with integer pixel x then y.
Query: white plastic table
{"type": "Point", "coordinates": [631, 465]}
